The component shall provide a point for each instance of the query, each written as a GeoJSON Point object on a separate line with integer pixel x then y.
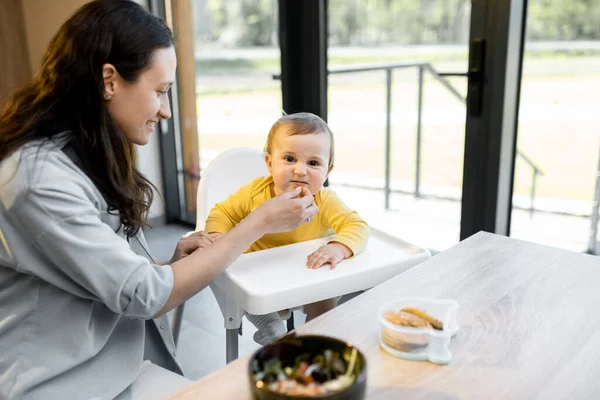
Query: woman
{"type": "Point", "coordinates": [82, 304]}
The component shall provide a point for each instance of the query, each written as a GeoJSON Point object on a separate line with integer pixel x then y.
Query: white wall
{"type": "Point", "coordinates": [149, 164]}
{"type": "Point", "coordinates": [42, 19]}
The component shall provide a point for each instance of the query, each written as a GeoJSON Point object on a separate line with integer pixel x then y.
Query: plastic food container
{"type": "Point", "coordinates": [420, 343]}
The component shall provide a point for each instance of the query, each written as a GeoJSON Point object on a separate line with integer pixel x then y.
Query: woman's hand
{"type": "Point", "coordinates": [287, 211]}
{"type": "Point", "coordinates": [187, 245]}
{"type": "Point", "coordinates": [332, 253]}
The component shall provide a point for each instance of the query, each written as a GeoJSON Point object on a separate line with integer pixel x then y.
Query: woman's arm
{"type": "Point", "coordinates": [56, 219]}
{"type": "Point", "coordinates": [196, 271]}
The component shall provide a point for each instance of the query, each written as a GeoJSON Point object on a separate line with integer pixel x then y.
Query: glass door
{"type": "Point", "coordinates": [237, 54]}
{"type": "Point", "coordinates": [397, 105]}
{"type": "Point", "coordinates": [556, 186]}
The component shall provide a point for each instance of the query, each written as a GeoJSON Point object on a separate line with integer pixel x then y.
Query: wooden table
{"type": "Point", "coordinates": [529, 328]}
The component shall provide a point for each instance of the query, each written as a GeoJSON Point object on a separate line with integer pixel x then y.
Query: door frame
{"type": "Point", "coordinates": [491, 138]}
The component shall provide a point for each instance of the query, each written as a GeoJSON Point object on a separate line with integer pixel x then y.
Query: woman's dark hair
{"type": "Point", "coordinates": [68, 90]}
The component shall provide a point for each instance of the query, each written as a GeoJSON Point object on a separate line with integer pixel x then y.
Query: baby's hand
{"type": "Point", "coordinates": [332, 253]}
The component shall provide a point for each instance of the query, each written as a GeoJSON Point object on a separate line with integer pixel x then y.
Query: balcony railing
{"type": "Point", "coordinates": [422, 67]}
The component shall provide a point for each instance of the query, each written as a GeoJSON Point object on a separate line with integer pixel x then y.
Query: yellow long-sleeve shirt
{"type": "Point", "coordinates": [334, 217]}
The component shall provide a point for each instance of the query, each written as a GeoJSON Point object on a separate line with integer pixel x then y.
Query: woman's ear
{"type": "Point", "coordinates": [109, 75]}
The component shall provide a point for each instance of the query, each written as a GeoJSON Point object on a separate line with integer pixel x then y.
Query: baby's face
{"type": "Point", "coordinates": [298, 160]}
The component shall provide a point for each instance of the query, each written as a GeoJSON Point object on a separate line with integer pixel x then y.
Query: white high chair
{"type": "Point", "coordinates": [224, 175]}
{"type": "Point", "coordinates": [259, 283]}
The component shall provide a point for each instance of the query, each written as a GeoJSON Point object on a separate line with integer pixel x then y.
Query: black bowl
{"type": "Point", "coordinates": [289, 347]}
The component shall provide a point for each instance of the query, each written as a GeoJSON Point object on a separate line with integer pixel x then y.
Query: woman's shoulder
{"type": "Point", "coordinates": [40, 162]}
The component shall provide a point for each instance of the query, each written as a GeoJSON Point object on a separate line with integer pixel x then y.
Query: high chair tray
{"type": "Point", "coordinates": [275, 279]}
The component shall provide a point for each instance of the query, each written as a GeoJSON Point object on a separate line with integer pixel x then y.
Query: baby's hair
{"type": "Point", "coordinates": [301, 124]}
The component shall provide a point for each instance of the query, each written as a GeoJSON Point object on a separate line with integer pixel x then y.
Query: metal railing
{"type": "Point", "coordinates": [422, 66]}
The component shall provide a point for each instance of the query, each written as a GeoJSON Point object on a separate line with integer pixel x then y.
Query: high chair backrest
{"type": "Point", "coordinates": [224, 175]}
